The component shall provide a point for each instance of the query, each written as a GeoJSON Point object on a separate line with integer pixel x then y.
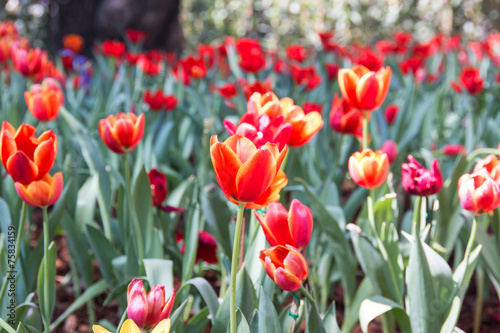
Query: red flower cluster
{"type": "Point", "coordinates": [159, 101]}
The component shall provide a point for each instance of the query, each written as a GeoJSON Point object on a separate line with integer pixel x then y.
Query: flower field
{"type": "Point", "coordinates": [338, 188]}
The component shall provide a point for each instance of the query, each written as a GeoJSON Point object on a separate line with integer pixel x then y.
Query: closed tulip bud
{"type": "Point", "coordinates": [44, 100]}
{"type": "Point", "coordinates": [158, 309]}
{"type": "Point", "coordinates": [419, 181]}
{"type": "Point", "coordinates": [391, 113]}
{"type": "Point", "coordinates": [247, 174]}
{"type": "Point", "coordinates": [121, 132]}
{"type": "Point", "coordinates": [287, 228]}
{"type": "Point", "coordinates": [137, 308]}
{"type": "Point", "coordinates": [453, 150]}
{"type": "Point", "coordinates": [41, 193]}
{"type": "Point", "coordinates": [487, 163]}
{"type": "Point", "coordinates": [26, 157]}
{"type": "Point", "coordinates": [391, 149]}
{"type": "Point", "coordinates": [369, 169]}
{"type": "Point", "coordinates": [364, 89]}
{"type": "Point", "coordinates": [285, 265]}
{"type": "Point", "coordinates": [478, 192]}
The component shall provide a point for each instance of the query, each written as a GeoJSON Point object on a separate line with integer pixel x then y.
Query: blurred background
{"type": "Point", "coordinates": [184, 24]}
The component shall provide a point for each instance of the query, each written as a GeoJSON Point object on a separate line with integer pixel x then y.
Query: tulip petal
{"type": "Point", "coordinates": [367, 91]}
{"type": "Point", "coordinates": [272, 194]}
{"type": "Point", "coordinates": [300, 223]}
{"type": "Point", "coordinates": [241, 146]}
{"type": "Point", "coordinates": [255, 175]}
{"type": "Point", "coordinates": [44, 157]}
{"type": "Point", "coordinates": [226, 165]}
{"type": "Point", "coordinates": [286, 280]}
{"type": "Point", "coordinates": [129, 326]}
{"type": "Point", "coordinates": [21, 168]}
{"type": "Point", "coordinates": [162, 327]}
{"type": "Point", "coordinates": [348, 80]}
{"type": "Point", "coordinates": [99, 329]}
{"type": "Point", "coordinates": [7, 146]}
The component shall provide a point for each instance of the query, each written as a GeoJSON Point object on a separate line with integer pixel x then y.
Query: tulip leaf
{"type": "Point", "coordinates": [47, 276]}
{"type": "Point", "coordinates": [330, 320]}
{"type": "Point", "coordinates": [268, 318]}
{"type": "Point", "coordinates": [314, 324]}
{"type": "Point", "coordinates": [377, 306]}
{"type": "Point", "coordinates": [21, 329]}
{"type": "Point", "coordinates": [176, 315]}
{"type": "Point", "coordinates": [191, 241]}
{"type": "Point", "coordinates": [207, 293]}
{"type": "Point", "coordinates": [198, 322]}
{"type": "Point", "coordinates": [86, 201]}
{"type": "Point", "coordinates": [241, 323]}
{"type": "Point", "coordinates": [143, 205]}
{"type": "Point", "coordinates": [159, 272]}
{"type": "Point", "coordinates": [489, 254]}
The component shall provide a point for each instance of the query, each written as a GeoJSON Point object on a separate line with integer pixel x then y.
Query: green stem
{"type": "Point", "coordinates": [234, 264]}
{"type": "Point", "coordinates": [46, 241]}
{"type": "Point", "coordinates": [307, 294]}
{"type": "Point", "coordinates": [19, 236]}
{"type": "Point", "coordinates": [283, 165]}
{"type": "Point", "coordinates": [331, 174]}
{"type": "Point", "coordinates": [480, 300]}
{"type": "Point", "coordinates": [365, 130]}
{"type": "Point", "coordinates": [415, 223]}
{"type": "Point", "coordinates": [135, 220]}
{"type": "Point", "coordinates": [470, 244]}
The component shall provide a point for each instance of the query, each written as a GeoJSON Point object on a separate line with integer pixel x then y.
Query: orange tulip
{"type": "Point", "coordinates": [364, 89]}
{"type": "Point", "coordinates": [285, 265]}
{"type": "Point", "coordinates": [267, 103]}
{"type": "Point", "coordinates": [44, 100]}
{"type": "Point", "coordinates": [121, 132]}
{"type": "Point", "coordinates": [478, 192]}
{"type": "Point", "coordinates": [304, 126]}
{"type": "Point", "coordinates": [248, 174]}
{"type": "Point", "coordinates": [25, 157]}
{"type": "Point", "coordinates": [41, 193]}
{"type": "Point", "coordinates": [73, 42]}
{"type": "Point", "coordinates": [369, 169]}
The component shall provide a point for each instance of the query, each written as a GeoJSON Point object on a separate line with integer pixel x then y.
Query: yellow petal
{"type": "Point", "coordinates": [99, 329]}
{"type": "Point", "coordinates": [129, 327]}
{"type": "Point", "coordinates": [163, 326]}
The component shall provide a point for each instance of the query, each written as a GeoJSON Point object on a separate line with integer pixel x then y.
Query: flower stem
{"type": "Point", "coordinates": [135, 221]}
{"type": "Point", "coordinates": [19, 236]}
{"type": "Point", "coordinates": [234, 264]}
{"type": "Point", "coordinates": [307, 295]}
{"type": "Point", "coordinates": [46, 264]}
{"type": "Point", "coordinates": [365, 130]}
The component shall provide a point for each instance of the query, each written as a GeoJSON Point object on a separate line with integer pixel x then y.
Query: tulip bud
{"type": "Point", "coordinates": [453, 149]}
{"type": "Point", "coordinates": [287, 228]}
{"type": "Point", "coordinates": [369, 169]}
{"type": "Point", "coordinates": [390, 113]}
{"type": "Point", "coordinates": [158, 309]}
{"type": "Point", "coordinates": [285, 265]}
{"type": "Point", "coordinates": [121, 132]}
{"type": "Point", "coordinates": [137, 309]}
{"type": "Point", "coordinates": [478, 192]}
{"type": "Point", "coordinates": [419, 181]}
{"type": "Point", "coordinates": [391, 149]}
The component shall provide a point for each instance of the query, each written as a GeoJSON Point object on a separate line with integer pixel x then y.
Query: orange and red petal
{"type": "Point", "coordinates": [21, 168]}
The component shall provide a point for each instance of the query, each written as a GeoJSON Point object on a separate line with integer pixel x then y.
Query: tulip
{"type": "Point", "coordinates": [267, 103]}
{"type": "Point", "coordinates": [369, 59]}
{"type": "Point", "coordinates": [344, 118]}
{"type": "Point", "coordinates": [287, 228]}
{"type": "Point", "coordinates": [369, 169]}
{"type": "Point", "coordinates": [487, 163]}
{"type": "Point", "coordinates": [73, 42]}
{"type": "Point", "coordinates": [310, 107]}
{"type": "Point", "coordinates": [261, 129]}
{"type": "Point", "coordinates": [135, 36]}
{"type": "Point", "coordinates": [390, 113]}
{"type": "Point", "coordinates": [28, 63]}
{"type": "Point", "coordinates": [41, 193]}
{"type": "Point", "coordinates": [228, 90]}
{"type": "Point", "coordinates": [112, 48]}
{"type": "Point", "coordinates": [364, 89]}
{"type": "Point", "coordinates": [207, 247]}
{"type": "Point", "coordinates": [121, 132]}
{"type": "Point", "coordinates": [130, 327]}
{"type": "Point", "coordinates": [247, 174]}
{"type": "Point", "coordinates": [148, 66]}
{"type": "Point", "coordinates": [192, 68]}
{"type": "Point", "coordinates": [250, 88]}
{"type": "Point", "coordinates": [285, 265]}
{"type": "Point", "coordinates": [391, 149]}
{"type": "Point", "coordinates": [453, 149]}
{"type": "Point", "coordinates": [332, 71]}
{"type": "Point", "coordinates": [419, 181]}
{"type": "Point", "coordinates": [147, 310]}
{"type": "Point", "coordinates": [252, 58]}
{"type": "Point", "coordinates": [471, 79]}
{"type": "Point", "coordinates": [159, 100]}
{"type": "Point", "coordinates": [478, 192]}
{"type": "Point", "coordinates": [25, 157]}
{"type": "Point", "coordinates": [296, 52]}
{"type": "Point", "coordinates": [159, 190]}
{"type": "Point", "coordinates": [44, 100]}
{"type": "Point", "coordinates": [304, 126]}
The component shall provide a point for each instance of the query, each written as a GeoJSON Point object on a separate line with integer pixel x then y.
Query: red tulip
{"type": "Point", "coordinates": [148, 66]}
{"type": "Point", "coordinates": [112, 48]}
{"type": "Point", "coordinates": [471, 79]}
{"type": "Point", "coordinates": [369, 169]}
{"type": "Point", "coordinates": [41, 193]}
{"type": "Point", "coordinates": [419, 181]}
{"type": "Point", "coordinates": [207, 248]}
{"type": "Point", "coordinates": [344, 118]}
{"type": "Point", "coordinates": [121, 132]}
{"type": "Point", "coordinates": [296, 52]}
{"type": "Point", "coordinates": [391, 111]}
{"type": "Point", "coordinates": [192, 68]}
{"type": "Point", "coordinates": [159, 190]}
{"type": "Point", "coordinates": [369, 59]}
{"type": "Point", "coordinates": [332, 71]}
{"type": "Point", "coordinates": [250, 88]}
{"type": "Point", "coordinates": [248, 174]}
{"type": "Point", "coordinates": [364, 89]}
{"type": "Point", "coordinates": [453, 149]}
{"type": "Point", "coordinates": [159, 100]}
{"type": "Point", "coordinates": [306, 76]}
{"type": "Point", "coordinates": [304, 126]}
{"type": "Point", "coordinates": [25, 157]}
{"type": "Point", "coordinates": [251, 56]}
{"type": "Point", "coordinates": [391, 149]}
{"type": "Point", "coordinates": [487, 163]}
{"type": "Point", "coordinates": [287, 228]}
{"type": "Point", "coordinates": [312, 107]}
{"type": "Point", "coordinates": [478, 192]}
{"type": "Point", "coordinates": [44, 100]}
{"type": "Point", "coordinates": [285, 265]}
{"type": "Point", "coordinates": [135, 36]}
{"type": "Point", "coordinates": [228, 90]}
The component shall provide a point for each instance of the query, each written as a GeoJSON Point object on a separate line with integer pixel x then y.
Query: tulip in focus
{"type": "Point", "coordinates": [478, 192]}
{"type": "Point", "coordinates": [391, 149]}
{"type": "Point", "coordinates": [130, 327]}
{"type": "Point", "coordinates": [364, 89]}
{"type": "Point", "coordinates": [41, 193]}
{"type": "Point", "coordinates": [44, 100]}
{"type": "Point", "coordinates": [419, 181]}
{"type": "Point", "coordinates": [26, 157]}
{"type": "Point", "coordinates": [287, 228]}
{"type": "Point", "coordinates": [285, 265]}
{"type": "Point", "coordinates": [148, 310]}
{"type": "Point", "coordinates": [121, 132]}
{"type": "Point", "coordinates": [247, 174]}
{"type": "Point", "coordinates": [369, 169]}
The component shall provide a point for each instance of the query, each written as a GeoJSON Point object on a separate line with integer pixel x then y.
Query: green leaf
{"type": "Point", "coordinates": [141, 196]}
{"type": "Point", "coordinates": [191, 240]}
{"type": "Point", "coordinates": [268, 318]}
{"type": "Point", "coordinates": [21, 329]}
{"type": "Point", "coordinates": [489, 253]}
{"type": "Point", "coordinates": [104, 253]}
{"type": "Point", "coordinates": [159, 271]}
{"type": "Point", "coordinates": [198, 322]}
{"type": "Point", "coordinates": [241, 322]}
{"type": "Point", "coordinates": [176, 315]}
{"type": "Point", "coordinates": [47, 276]}
{"type": "Point", "coordinates": [207, 293]}
{"type": "Point", "coordinates": [330, 320]}
{"type": "Point", "coordinates": [375, 306]}
{"type": "Point", "coordinates": [314, 324]}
